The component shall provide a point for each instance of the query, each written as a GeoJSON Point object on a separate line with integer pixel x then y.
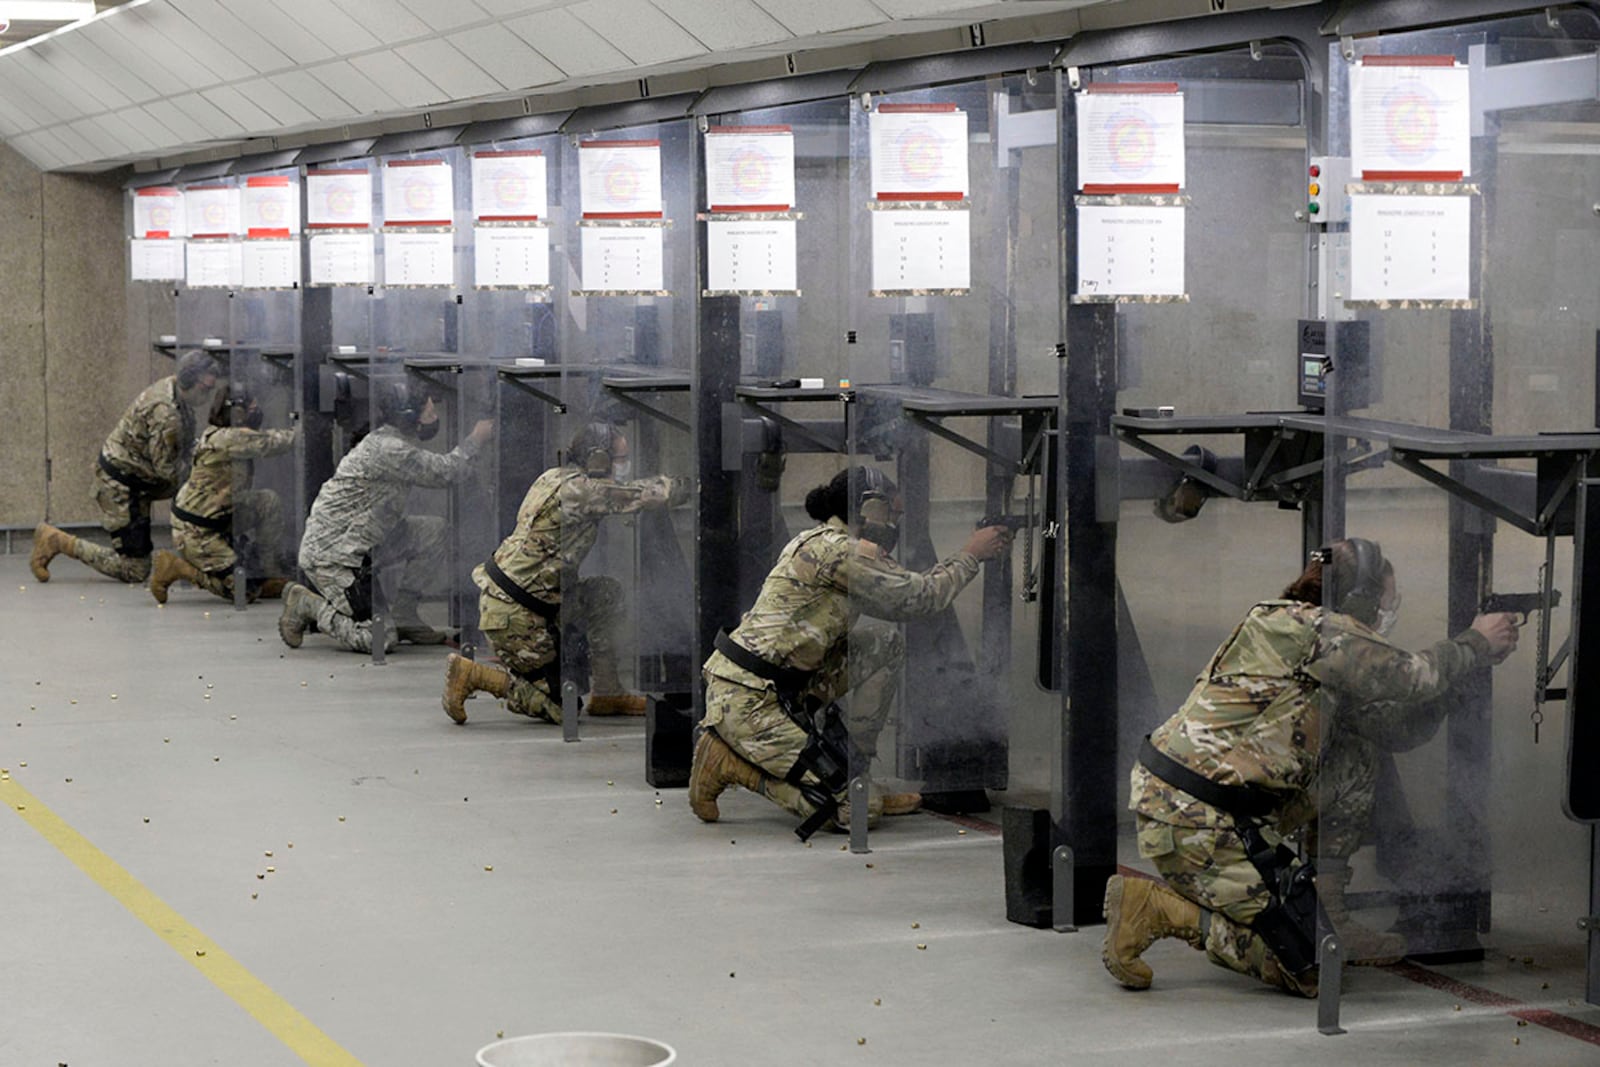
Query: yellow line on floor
{"type": "Point", "coordinates": [223, 971]}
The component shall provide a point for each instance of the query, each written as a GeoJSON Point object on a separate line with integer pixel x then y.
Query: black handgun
{"type": "Point", "coordinates": [1523, 604]}
{"type": "Point", "coordinates": [1010, 522]}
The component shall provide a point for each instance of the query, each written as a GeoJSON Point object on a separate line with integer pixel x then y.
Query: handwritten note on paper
{"type": "Point", "coordinates": [1130, 251]}
{"type": "Point", "coordinates": [511, 256]}
{"type": "Point", "coordinates": [921, 250]}
{"type": "Point", "coordinates": [1410, 247]}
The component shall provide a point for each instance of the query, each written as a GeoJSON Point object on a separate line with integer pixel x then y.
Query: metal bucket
{"type": "Point", "coordinates": [576, 1050]}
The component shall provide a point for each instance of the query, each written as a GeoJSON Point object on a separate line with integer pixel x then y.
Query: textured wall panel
{"type": "Point", "coordinates": [22, 395]}
{"type": "Point", "coordinates": [506, 57]}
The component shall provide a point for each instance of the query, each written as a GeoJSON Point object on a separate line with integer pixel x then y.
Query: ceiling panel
{"type": "Point", "coordinates": [73, 145]}
{"type": "Point", "coordinates": [456, 75]}
{"type": "Point", "coordinates": [506, 58]}
{"type": "Point", "coordinates": [129, 84]}
{"type": "Point", "coordinates": [723, 25]}
{"type": "Point", "coordinates": [568, 43]}
{"type": "Point", "coordinates": [914, 9]}
{"type": "Point", "coordinates": [300, 44]}
{"type": "Point", "coordinates": [178, 121]}
{"type": "Point", "coordinates": [202, 49]}
{"type": "Point", "coordinates": [46, 103]}
{"type": "Point", "coordinates": [313, 95]}
{"type": "Point", "coordinates": [11, 123]}
{"type": "Point", "coordinates": [39, 149]}
{"type": "Point", "coordinates": [504, 8]}
{"type": "Point", "coordinates": [328, 23]}
{"type": "Point", "coordinates": [446, 14]}
{"type": "Point", "coordinates": [284, 109]}
{"type": "Point", "coordinates": [105, 138]}
{"type": "Point", "coordinates": [240, 107]}
{"type": "Point", "coordinates": [388, 20]}
{"type": "Point", "coordinates": [109, 37]}
{"type": "Point", "coordinates": [399, 79]}
{"type": "Point", "coordinates": [67, 90]}
{"type": "Point", "coordinates": [22, 103]}
{"type": "Point", "coordinates": [148, 34]}
{"type": "Point", "coordinates": [70, 64]}
{"type": "Point", "coordinates": [355, 87]}
{"type": "Point", "coordinates": [823, 16]}
{"type": "Point", "coordinates": [146, 127]}
{"type": "Point", "coordinates": [639, 29]}
{"type": "Point", "coordinates": [234, 33]}
{"type": "Point", "coordinates": [210, 118]}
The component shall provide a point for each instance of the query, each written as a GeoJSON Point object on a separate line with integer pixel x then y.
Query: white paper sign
{"type": "Point", "coordinates": [212, 210]}
{"type": "Point", "coordinates": [749, 168]}
{"type": "Point", "coordinates": [214, 265]}
{"type": "Point", "coordinates": [271, 206]}
{"type": "Point", "coordinates": [623, 259]}
{"type": "Point", "coordinates": [758, 255]}
{"type": "Point", "coordinates": [918, 153]}
{"type": "Point", "coordinates": [620, 179]}
{"type": "Point", "coordinates": [1410, 247]}
{"type": "Point", "coordinates": [271, 264]}
{"type": "Point", "coordinates": [418, 192]}
{"type": "Point", "coordinates": [1410, 119]}
{"type": "Point", "coordinates": [1130, 251]}
{"type": "Point", "coordinates": [338, 198]}
{"type": "Point", "coordinates": [342, 259]}
{"type": "Point", "coordinates": [1130, 139]}
{"type": "Point", "coordinates": [509, 186]}
{"type": "Point", "coordinates": [419, 259]}
{"type": "Point", "coordinates": [156, 260]}
{"type": "Point", "coordinates": [511, 256]}
{"type": "Point", "coordinates": [921, 250]}
{"type": "Point", "coordinates": [158, 213]}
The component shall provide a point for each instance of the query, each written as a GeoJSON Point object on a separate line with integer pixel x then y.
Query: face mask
{"type": "Point", "coordinates": [622, 470]}
{"type": "Point", "coordinates": [1387, 617]}
{"type": "Point", "coordinates": [427, 431]}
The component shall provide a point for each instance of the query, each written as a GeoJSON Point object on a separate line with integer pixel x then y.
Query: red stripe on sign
{"type": "Point", "coordinates": [1550, 1020]}
{"type": "Point", "coordinates": [390, 225]}
{"type": "Point", "coordinates": [1408, 61]}
{"type": "Point", "coordinates": [736, 208]}
{"type": "Point", "coordinates": [1113, 188]}
{"type": "Point", "coordinates": [415, 163]}
{"type": "Point", "coordinates": [508, 218]}
{"type": "Point", "coordinates": [499, 155]}
{"type": "Point", "coordinates": [335, 171]}
{"type": "Point", "coordinates": [749, 129]}
{"type": "Point", "coordinates": [266, 180]}
{"type": "Point", "coordinates": [911, 109]}
{"type": "Point", "coordinates": [157, 235]}
{"type": "Point", "coordinates": [922, 196]}
{"type": "Point", "coordinates": [619, 144]}
{"type": "Point", "coordinates": [622, 214]}
{"type": "Point", "coordinates": [1133, 87]}
{"type": "Point", "coordinates": [158, 190]}
{"type": "Point", "coordinates": [1411, 175]}
{"type": "Point", "coordinates": [264, 231]}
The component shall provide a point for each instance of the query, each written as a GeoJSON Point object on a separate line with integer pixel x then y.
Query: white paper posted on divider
{"type": "Point", "coordinates": [1130, 251]}
{"type": "Point", "coordinates": [1410, 247]}
{"type": "Point", "coordinates": [511, 256]}
{"type": "Point", "coordinates": [921, 250]}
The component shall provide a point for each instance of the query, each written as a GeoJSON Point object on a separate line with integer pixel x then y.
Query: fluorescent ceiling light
{"type": "Point", "coordinates": [46, 10]}
{"type": "Point", "coordinates": [77, 13]}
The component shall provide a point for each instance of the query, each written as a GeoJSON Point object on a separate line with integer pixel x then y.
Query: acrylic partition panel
{"type": "Point", "coordinates": [950, 361]}
{"type": "Point", "coordinates": [626, 353]}
{"type": "Point", "coordinates": [1470, 231]}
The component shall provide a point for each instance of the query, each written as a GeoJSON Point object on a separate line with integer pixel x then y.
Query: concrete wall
{"type": "Point", "coordinates": [65, 374]}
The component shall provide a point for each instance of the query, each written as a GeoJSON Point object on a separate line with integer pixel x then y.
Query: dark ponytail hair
{"type": "Point", "coordinates": [826, 501]}
{"type": "Point", "coordinates": [1354, 572]}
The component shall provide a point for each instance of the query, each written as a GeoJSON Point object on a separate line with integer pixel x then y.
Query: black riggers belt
{"type": "Point", "coordinates": [222, 524]}
{"type": "Point", "coordinates": [1289, 923]}
{"type": "Point", "coordinates": [827, 752]}
{"type": "Point", "coordinates": [550, 613]}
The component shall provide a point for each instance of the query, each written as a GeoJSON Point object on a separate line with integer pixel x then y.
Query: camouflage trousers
{"type": "Point", "coordinates": [125, 515]}
{"type": "Point", "coordinates": [1211, 865]}
{"type": "Point", "coordinates": [754, 726]}
{"type": "Point", "coordinates": [416, 548]}
{"type": "Point", "coordinates": [257, 523]}
{"type": "Point", "coordinates": [525, 644]}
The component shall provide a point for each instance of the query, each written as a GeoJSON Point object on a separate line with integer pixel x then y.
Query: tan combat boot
{"type": "Point", "coordinates": [1363, 946]}
{"type": "Point", "coordinates": [1138, 913]}
{"type": "Point", "coordinates": [715, 768]}
{"type": "Point", "coordinates": [463, 677]}
{"type": "Point", "coordinates": [606, 695]}
{"type": "Point", "coordinates": [901, 803]}
{"type": "Point", "coordinates": [170, 567]}
{"type": "Point", "coordinates": [299, 613]}
{"type": "Point", "coordinates": [49, 542]}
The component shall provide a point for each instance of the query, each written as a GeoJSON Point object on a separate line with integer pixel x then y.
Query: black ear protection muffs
{"type": "Point", "coordinates": [875, 507]}
{"type": "Point", "coordinates": [1364, 598]}
{"type": "Point", "coordinates": [591, 449]}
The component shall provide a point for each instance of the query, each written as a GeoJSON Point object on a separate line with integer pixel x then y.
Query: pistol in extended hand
{"type": "Point", "coordinates": [1523, 604]}
{"type": "Point", "coordinates": [1010, 522]}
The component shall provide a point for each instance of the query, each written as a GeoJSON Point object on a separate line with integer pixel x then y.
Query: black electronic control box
{"type": "Point", "coordinates": [1352, 363]}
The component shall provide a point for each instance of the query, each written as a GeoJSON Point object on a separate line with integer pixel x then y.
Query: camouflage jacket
{"type": "Point", "coordinates": [823, 581]}
{"type": "Point", "coordinates": [366, 497]}
{"type": "Point", "coordinates": [1255, 717]}
{"type": "Point", "coordinates": [154, 438]}
{"type": "Point", "coordinates": [559, 521]}
{"type": "Point", "coordinates": [209, 490]}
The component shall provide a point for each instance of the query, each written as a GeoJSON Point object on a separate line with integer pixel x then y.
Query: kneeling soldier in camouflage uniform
{"type": "Point", "coordinates": [208, 511]}
{"type": "Point", "coordinates": [361, 508]}
{"type": "Point", "coordinates": [1243, 763]}
{"type": "Point", "coordinates": [145, 459]}
{"type": "Point", "coordinates": [521, 609]}
{"type": "Point", "coordinates": [771, 724]}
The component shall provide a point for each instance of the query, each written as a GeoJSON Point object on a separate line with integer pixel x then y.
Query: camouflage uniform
{"type": "Point", "coordinates": [257, 514]}
{"type": "Point", "coordinates": [360, 511]}
{"type": "Point", "coordinates": [802, 620]}
{"type": "Point", "coordinates": [1256, 717]}
{"type": "Point", "coordinates": [557, 525]}
{"type": "Point", "coordinates": [149, 447]}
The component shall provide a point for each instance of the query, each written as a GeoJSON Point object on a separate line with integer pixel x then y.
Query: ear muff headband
{"type": "Point", "coordinates": [1365, 594]}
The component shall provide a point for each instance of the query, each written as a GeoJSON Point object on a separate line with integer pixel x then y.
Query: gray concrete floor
{"type": "Point", "coordinates": [184, 743]}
